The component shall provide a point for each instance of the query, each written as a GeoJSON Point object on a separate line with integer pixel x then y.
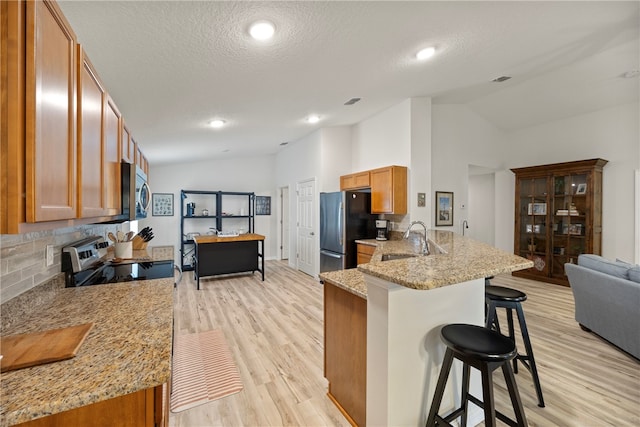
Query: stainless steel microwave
{"type": "Point", "coordinates": [142, 194]}
{"type": "Point", "coordinates": [134, 195]}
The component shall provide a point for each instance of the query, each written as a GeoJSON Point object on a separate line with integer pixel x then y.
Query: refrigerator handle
{"type": "Point", "coordinates": [340, 223]}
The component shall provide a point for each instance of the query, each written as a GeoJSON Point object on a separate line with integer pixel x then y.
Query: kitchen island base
{"type": "Point", "coordinates": [405, 352]}
{"type": "Point", "coordinates": [217, 255]}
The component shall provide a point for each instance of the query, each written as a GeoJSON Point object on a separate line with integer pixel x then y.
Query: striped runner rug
{"type": "Point", "coordinates": [203, 370]}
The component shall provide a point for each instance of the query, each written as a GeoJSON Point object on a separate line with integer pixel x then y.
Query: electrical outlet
{"type": "Point", "coordinates": [49, 253]}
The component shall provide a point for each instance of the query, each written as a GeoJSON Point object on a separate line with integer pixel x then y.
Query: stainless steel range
{"type": "Point", "coordinates": [84, 264]}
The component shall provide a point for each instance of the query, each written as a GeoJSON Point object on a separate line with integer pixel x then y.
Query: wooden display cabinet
{"type": "Point", "coordinates": [558, 216]}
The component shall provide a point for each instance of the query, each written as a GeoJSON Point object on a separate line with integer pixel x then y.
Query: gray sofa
{"type": "Point", "coordinates": [607, 299]}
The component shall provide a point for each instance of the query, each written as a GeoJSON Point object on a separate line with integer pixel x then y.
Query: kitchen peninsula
{"type": "Point", "coordinates": [395, 309]}
{"type": "Point", "coordinates": [121, 370]}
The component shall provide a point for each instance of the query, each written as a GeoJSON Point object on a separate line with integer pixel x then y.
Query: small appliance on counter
{"type": "Point", "coordinates": [83, 264]}
{"type": "Point", "coordinates": [382, 229]}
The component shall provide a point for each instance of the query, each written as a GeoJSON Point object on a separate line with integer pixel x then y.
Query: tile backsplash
{"type": "Point", "coordinates": [23, 256]}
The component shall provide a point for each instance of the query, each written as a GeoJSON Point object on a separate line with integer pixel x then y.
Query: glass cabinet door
{"type": "Point", "coordinates": [533, 223]}
{"type": "Point", "coordinates": [570, 210]}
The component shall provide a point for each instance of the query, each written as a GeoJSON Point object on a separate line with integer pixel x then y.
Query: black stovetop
{"type": "Point", "coordinates": [121, 272]}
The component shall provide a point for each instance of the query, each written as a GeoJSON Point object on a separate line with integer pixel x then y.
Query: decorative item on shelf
{"type": "Point", "coordinates": [532, 245]}
{"type": "Point", "coordinates": [575, 229]}
{"type": "Point", "coordinates": [205, 212]}
{"type": "Point", "coordinates": [537, 209]}
{"type": "Point", "coordinates": [559, 186]}
{"type": "Point", "coordinates": [581, 189]}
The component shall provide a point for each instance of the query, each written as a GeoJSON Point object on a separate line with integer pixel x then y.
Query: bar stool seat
{"type": "Point", "coordinates": [511, 299]}
{"type": "Point", "coordinates": [485, 350]}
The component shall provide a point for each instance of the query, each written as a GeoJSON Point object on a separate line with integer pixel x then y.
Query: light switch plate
{"type": "Point", "coordinates": [49, 253]}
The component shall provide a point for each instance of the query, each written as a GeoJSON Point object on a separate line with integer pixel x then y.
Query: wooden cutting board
{"type": "Point", "coordinates": [38, 348]}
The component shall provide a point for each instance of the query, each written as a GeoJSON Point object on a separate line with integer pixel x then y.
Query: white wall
{"type": "Point", "coordinates": [254, 174]}
{"type": "Point", "coordinates": [482, 220]}
{"type": "Point", "coordinates": [335, 148]}
{"type": "Point", "coordinates": [383, 140]}
{"type": "Point", "coordinates": [612, 134]}
{"type": "Point", "coordinates": [299, 161]}
{"type": "Point", "coordinates": [420, 157]}
{"type": "Point", "coordinates": [461, 138]}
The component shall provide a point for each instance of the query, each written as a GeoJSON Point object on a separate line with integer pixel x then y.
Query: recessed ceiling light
{"type": "Point", "coordinates": [217, 123]}
{"type": "Point", "coordinates": [283, 143]}
{"type": "Point", "coordinates": [313, 119]}
{"type": "Point", "coordinates": [352, 101]}
{"type": "Point", "coordinates": [426, 53]}
{"type": "Point", "coordinates": [262, 30]}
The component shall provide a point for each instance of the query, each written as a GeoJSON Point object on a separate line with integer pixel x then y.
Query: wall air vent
{"type": "Point", "coordinates": [501, 79]}
{"type": "Point", "coordinates": [352, 101]}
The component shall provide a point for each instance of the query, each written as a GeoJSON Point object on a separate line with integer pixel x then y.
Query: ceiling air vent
{"type": "Point", "coordinates": [501, 79]}
{"type": "Point", "coordinates": [352, 101]}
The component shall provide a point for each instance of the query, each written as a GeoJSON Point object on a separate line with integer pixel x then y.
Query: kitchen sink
{"type": "Point", "coordinates": [391, 257]}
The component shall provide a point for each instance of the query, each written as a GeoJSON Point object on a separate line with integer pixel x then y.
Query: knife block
{"type": "Point", "coordinates": [139, 243]}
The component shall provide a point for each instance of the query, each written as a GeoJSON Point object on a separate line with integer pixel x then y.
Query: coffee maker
{"type": "Point", "coordinates": [191, 209]}
{"type": "Point", "coordinates": [382, 227]}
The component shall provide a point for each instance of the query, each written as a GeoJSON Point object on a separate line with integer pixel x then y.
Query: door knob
{"type": "Point", "coordinates": [312, 234]}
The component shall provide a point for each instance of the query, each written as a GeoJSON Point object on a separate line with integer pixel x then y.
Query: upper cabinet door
{"type": "Point", "coordinates": [128, 145]}
{"type": "Point", "coordinates": [91, 101]}
{"type": "Point", "coordinates": [112, 138]}
{"type": "Point", "coordinates": [389, 190]}
{"type": "Point", "coordinates": [50, 117]}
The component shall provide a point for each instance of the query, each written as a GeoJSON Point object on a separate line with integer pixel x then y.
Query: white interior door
{"type": "Point", "coordinates": [284, 223]}
{"type": "Point", "coordinates": [306, 222]}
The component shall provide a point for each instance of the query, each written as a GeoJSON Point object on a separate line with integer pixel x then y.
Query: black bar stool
{"type": "Point", "coordinates": [485, 350]}
{"type": "Point", "coordinates": [510, 299]}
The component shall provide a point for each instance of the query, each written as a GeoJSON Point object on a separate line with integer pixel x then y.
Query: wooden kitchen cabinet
{"type": "Point", "coordinates": [558, 216]}
{"type": "Point", "coordinates": [144, 408]}
{"type": "Point", "coordinates": [128, 145]}
{"type": "Point", "coordinates": [50, 165]}
{"type": "Point", "coordinates": [389, 190]}
{"type": "Point", "coordinates": [345, 351]}
{"type": "Point", "coordinates": [91, 149]}
{"type": "Point", "coordinates": [364, 253]}
{"type": "Point", "coordinates": [50, 114]}
{"type": "Point", "coordinates": [112, 140]}
{"type": "Point", "coordinates": [142, 162]}
{"type": "Point", "coordinates": [355, 181]}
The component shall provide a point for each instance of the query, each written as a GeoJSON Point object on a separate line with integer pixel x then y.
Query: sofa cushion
{"type": "Point", "coordinates": [634, 273]}
{"type": "Point", "coordinates": [603, 265]}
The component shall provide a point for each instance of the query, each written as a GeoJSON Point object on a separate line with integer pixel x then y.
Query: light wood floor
{"type": "Point", "coordinates": [274, 329]}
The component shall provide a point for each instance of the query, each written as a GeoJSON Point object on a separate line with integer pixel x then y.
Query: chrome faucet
{"type": "Point", "coordinates": [465, 225]}
{"type": "Point", "coordinates": [424, 247]}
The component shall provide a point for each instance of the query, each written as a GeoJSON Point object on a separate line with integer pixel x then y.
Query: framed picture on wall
{"type": "Point", "coordinates": [162, 204]}
{"type": "Point", "coordinates": [263, 205]}
{"type": "Point", "coordinates": [444, 208]}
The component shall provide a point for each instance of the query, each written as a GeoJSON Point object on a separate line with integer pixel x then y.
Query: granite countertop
{"type": "Point", "coordinates": [127, 350]}
{"type": "Point", "coordinates": [454, 259]}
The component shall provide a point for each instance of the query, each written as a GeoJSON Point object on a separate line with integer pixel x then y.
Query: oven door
{"type": "Point", "coordinates": [143, 194]}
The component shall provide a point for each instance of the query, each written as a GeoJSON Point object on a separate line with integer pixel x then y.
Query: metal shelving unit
{"type": "Point", "coordinates": [238, 210]}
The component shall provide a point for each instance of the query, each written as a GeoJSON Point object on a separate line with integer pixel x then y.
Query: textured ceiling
{"type": "Point", "coordinates": [173, 66]}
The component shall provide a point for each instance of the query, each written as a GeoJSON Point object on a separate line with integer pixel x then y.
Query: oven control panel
{"type": "Point", "coordinates": [83, 254]}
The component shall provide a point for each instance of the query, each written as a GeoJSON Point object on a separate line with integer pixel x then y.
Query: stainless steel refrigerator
{"type": "Point", "coordinates": [345, 217]}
